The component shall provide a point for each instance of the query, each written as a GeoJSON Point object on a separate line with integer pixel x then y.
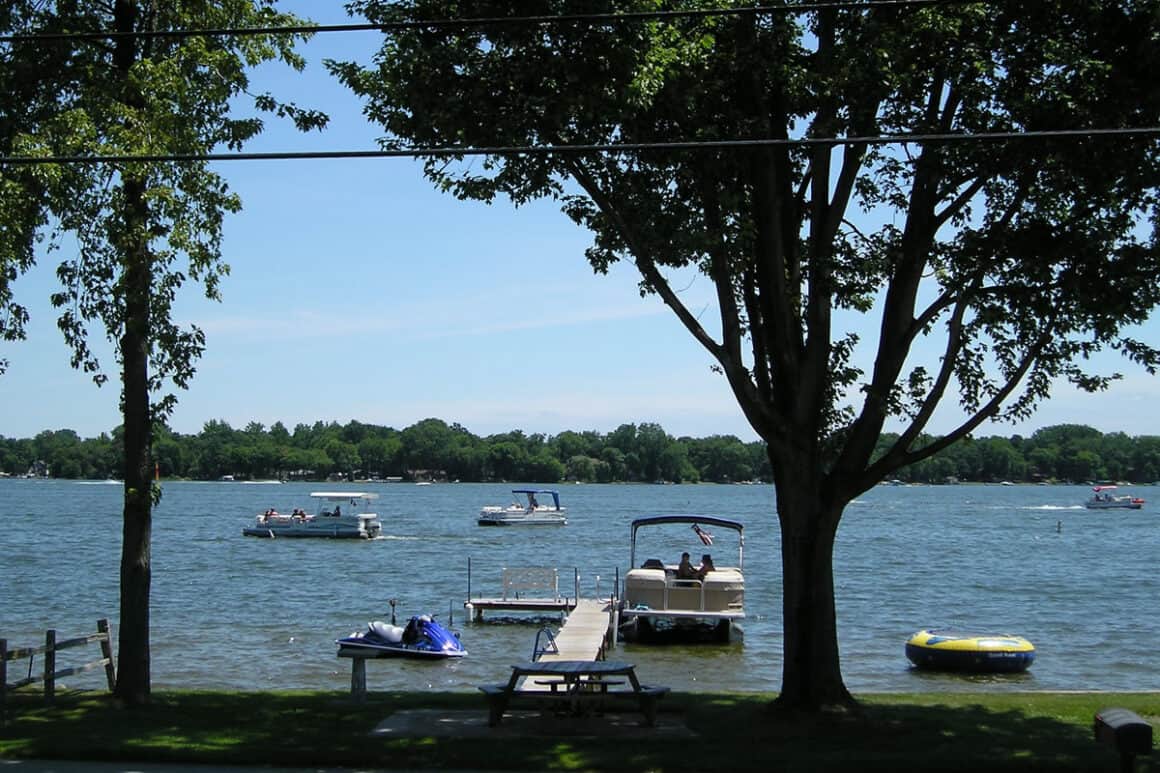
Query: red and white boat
{"type": "Point", "coordinates": [1104, 498]}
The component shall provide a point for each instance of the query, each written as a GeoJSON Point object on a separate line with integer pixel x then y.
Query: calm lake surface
{"type": "Point", "coordinates": [238, 612]}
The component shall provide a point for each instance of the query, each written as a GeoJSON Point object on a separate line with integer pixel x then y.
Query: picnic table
{"type": "Point", "coordinates": [576, 685]}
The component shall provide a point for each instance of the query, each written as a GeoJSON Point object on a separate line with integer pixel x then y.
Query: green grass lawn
{"type": "Point", "coordinates": [717, 732]}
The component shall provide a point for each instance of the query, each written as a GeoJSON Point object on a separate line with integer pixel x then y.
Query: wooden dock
{"type": "Point", "coordinates": [476, 607]}
{"type": "Point", "coordinates": [525, 589]}
{"type": "Point", "coordinates": [585, 635]}
{"type": "Point", "coordinates": [586, 630]}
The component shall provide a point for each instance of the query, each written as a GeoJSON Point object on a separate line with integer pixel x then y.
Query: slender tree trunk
{"type": "Point", "coordinates": [811, 669]}
{"type": "Point", "coordinates": [133, 678]}
{"type": "Point", "coordinates": [133, 673]}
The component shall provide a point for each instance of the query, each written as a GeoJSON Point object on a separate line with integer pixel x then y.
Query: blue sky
{"type": "Point", "coordinates": [359, 292]}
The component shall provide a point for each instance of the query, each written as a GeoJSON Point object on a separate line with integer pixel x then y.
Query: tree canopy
{"type": "Point", "coordinates": [987, 270]}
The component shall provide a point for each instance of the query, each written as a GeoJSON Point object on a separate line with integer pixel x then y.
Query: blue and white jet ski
{"type": "Point", "coordinates": [421, 637]}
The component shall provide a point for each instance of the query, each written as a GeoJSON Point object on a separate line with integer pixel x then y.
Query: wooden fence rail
{"type": "Point", "coordinates": [50, 673]}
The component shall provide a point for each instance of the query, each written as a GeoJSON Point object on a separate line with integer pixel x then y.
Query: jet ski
{"type": "Point", "coordinates": [421, 637]}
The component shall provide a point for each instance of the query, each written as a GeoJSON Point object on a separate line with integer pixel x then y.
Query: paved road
{"type": "Point", "coordinates": [57, 766]}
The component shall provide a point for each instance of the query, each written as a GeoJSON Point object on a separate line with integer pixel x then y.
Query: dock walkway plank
{"type": "Point", "coordinates": [583, 637]}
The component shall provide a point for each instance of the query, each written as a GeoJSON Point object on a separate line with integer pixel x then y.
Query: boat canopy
{"type": "Point", "coordinates": [711, 520]}
{"type": "Point", "coordinates": [1103, 488]}
{"type": "Point", "coordinates": [339, 496]}
{"type": "Point", "coordinates": [696, 521]}
{"type": "Point", "coordinates": [532, 491]}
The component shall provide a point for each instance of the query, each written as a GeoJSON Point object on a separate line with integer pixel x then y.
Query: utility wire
{"type": "Point", "coordinates": [494, 21]}
{"type": "Point", "coordinates": [609, 148]}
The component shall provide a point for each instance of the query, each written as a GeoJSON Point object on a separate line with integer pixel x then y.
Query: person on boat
{"type": "Point", "coordinates": [532, 503]}
{"type": "Point", "coordinates": [685, 569]}
{"type": "Point", "coordinates": [413, 632]}
{"type": "Point", "coordinates": [337, 510]}
{"type": "Point", "coordinates": [705, 567]}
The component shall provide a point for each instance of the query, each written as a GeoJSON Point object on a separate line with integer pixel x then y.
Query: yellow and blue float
{"type": "Point", "coordinates": [968, 652]}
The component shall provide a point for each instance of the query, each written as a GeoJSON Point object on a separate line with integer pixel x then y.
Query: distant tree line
{"type": "Point", "coordinates": [433, 450]}
{"type": "Point", "coordinates": [1062, 453]}
{"type": "Point", "coordinates": [428, 450]}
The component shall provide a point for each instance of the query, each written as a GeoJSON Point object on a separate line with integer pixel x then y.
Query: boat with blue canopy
{"type": "Point", "coordinates": [530, 512]}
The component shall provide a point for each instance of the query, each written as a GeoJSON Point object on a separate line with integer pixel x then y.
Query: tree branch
{"type": "Point", "coordinates": [777, 274]}
{"type": "Point", "coordinates": [755, 410]}
{"type": "Point", "coordinates": [938, 389]}
{"type": "Point", "coordinates": [900, 457]}
{"type": "Point", "coordinates": [960, 201]}
{"type": "Point", "coordinates": [719, 263]}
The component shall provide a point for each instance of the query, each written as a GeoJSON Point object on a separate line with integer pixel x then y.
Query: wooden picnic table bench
{"type": "Point", "coordinates": [575, 685]}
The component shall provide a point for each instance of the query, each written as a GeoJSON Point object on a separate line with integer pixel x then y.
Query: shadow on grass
{"type": "Point", "coordinates": [735, 731]}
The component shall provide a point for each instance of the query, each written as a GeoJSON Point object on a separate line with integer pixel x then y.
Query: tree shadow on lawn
{"type": "Point", "coordinates": [736, 731]}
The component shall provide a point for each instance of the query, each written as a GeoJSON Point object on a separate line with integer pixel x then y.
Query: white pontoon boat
{"type": "Point", "coordinates": [659, 604]}
{"type": "Point", "coordinates": [338, 514]}
{"type": "Point", "coordinates": [1104, 499]}
{"type": "Point", "coordinates": [529, 513]}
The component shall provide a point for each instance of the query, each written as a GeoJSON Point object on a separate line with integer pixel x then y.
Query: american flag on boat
{"type": "Point", "coordinates": [705, 536]}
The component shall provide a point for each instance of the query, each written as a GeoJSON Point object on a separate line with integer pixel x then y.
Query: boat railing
{"type": "Point", "coordinates": [689, 595]}
{"type": "Point", "coordinates": [684, 585]}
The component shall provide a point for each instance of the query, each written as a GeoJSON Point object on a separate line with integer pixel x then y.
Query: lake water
{"type": "Point", "coordinates": [238, 612]}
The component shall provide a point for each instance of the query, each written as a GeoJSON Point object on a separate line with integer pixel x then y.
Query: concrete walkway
{"type": "Point", "coordinates": [439, 723]}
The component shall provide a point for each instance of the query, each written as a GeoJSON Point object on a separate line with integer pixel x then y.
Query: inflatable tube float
{"type": "Point", "coordinates": [970, 653]}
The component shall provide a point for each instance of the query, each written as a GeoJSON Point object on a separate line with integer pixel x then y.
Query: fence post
{"type": "Point", "coordinates": [50, 664]}
{"type": "Point", "coordinates": [614, 602]}
{"type": "Point", "coordinates": [107, 652]}
{"type": "Point", "coordinates": [3, 682]}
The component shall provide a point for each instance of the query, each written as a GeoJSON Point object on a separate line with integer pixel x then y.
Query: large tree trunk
{"type": "Point", "coordinates": [133, 679]}
{"type": "Point", "coordinates": [811, 669]}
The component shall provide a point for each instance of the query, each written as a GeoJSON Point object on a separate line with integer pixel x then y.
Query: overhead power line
{"type": "Point", "coordinates": [492, 21]}
{"type": "Point", "coordinates": [608, 148]}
